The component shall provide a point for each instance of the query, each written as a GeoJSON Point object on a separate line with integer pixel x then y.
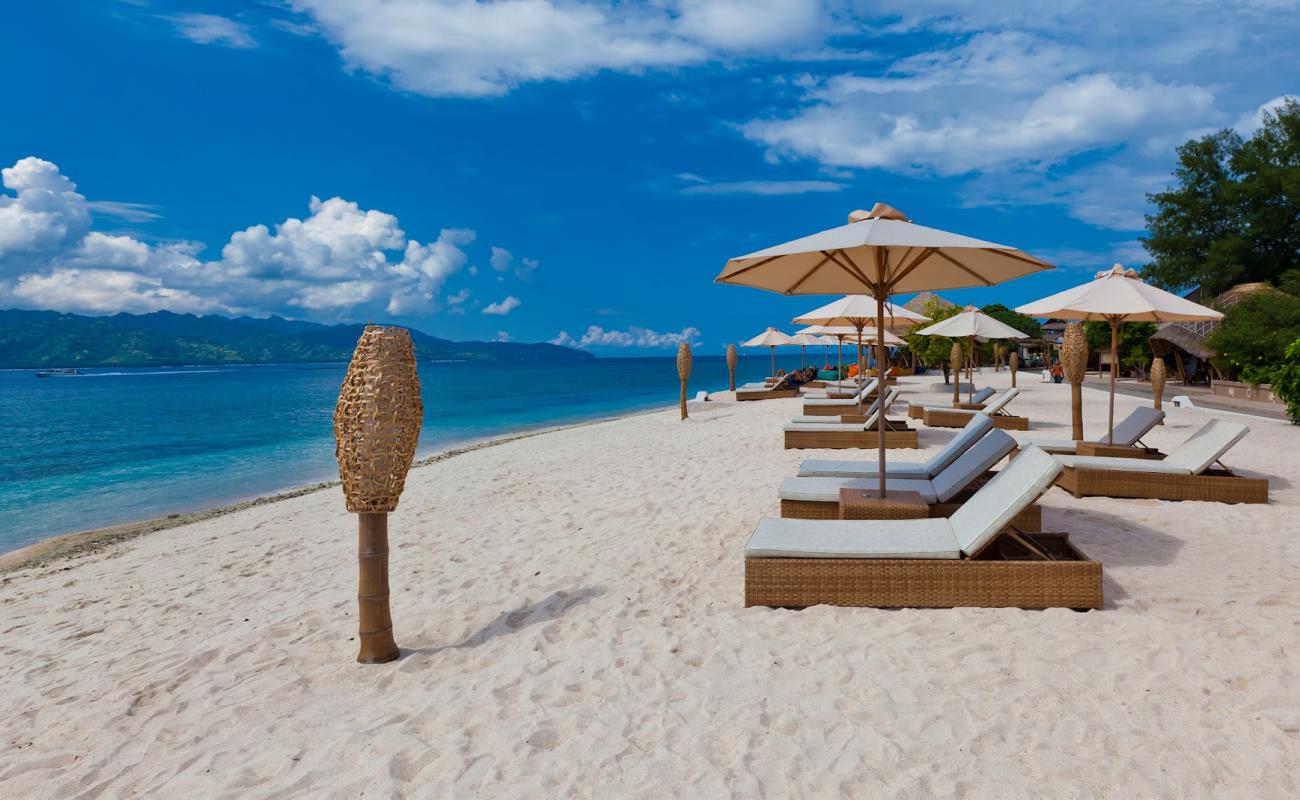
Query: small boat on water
{"type": "Point", "coordinates": [61, 372]}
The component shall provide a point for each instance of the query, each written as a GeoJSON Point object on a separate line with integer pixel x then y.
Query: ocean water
{"type": "Point", "coordinates": [119, 445]}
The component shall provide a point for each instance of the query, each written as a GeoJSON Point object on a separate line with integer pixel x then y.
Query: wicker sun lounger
{"type": "Point", "coordinates": [1185, 474]}
{"type": "Point", "coordinates": [819, 498]}
{"type": "Point", "coordinates": [996, 409]}
{"type": "Point", "coordinates": [850, 414]}
{"type": "Point", "coordinates": [1128, 438]}
{"type": "Point", "coordinates": [979, 425]}
{"type": "Point", "coordinates": [977, 401]}
{"type": "Point", "coordinates": [834, 404]}
{"type": "Point", "coordinates": [968, 559]}
{"type": "Point", "coordinates": [838, 435]}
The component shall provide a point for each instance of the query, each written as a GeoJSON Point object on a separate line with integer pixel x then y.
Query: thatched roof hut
{"type": "Point", "coordinates": [1177, 339]}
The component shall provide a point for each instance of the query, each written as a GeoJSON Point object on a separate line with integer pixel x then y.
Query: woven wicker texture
{"type": "Point", "coordinates": [868, 504]}
{"type": "Point", "coordinates": [1074, 352]}
{"type": "Point", "coordinates": [943, 418]}
{"type": "Point", "coordinates": [1071, 581]}
{"type": "Point", "coordinates": [838, 440]}
{"type": "Point", "coordinates": [732, 358]}
{"type": "Point", "coordinates": [1030, 520]}
{"type": "Point", "coordinates": [766, 394]}
{"type": "Point", "coordinates": [684, 370]}
{"type": "Point", "coordinates": [1158, 376]}
{"type": "Point", "coordinates": [1211, 486]}
{"type": "Point", "coordinates": [377, 420]}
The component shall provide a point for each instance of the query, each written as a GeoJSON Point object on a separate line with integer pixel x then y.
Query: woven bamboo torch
{"type": "Point", "coordinates": [1158, 380]}
{"type": "Point", "coordinates": [684, 370]}
{"type": "Point", "coordinates": [376, 428]}
{"type": "Point", "coordinates": [954, 358]}
{"type": "Point", "coordinates": [731, 364]}
{"type": "Point", "coordinates": [1074, 360]}
{"type": "Point", "coordinates": [1014, 361]}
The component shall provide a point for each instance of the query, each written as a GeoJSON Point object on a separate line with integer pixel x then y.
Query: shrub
{"type": "Point", "coordinates": [1286, 381]}
{"type": "Point", "coordinates": [1254, 334]}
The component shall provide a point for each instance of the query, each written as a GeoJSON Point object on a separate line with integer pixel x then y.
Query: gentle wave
{"type": "Point", "coordinates": [160, 372]}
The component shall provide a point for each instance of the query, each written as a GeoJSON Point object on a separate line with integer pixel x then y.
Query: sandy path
{"type": "Point", "coordinates": [570, 609]}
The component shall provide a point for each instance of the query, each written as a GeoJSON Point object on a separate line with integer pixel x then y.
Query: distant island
{"type": "Point", "coordinates": [43, 339]}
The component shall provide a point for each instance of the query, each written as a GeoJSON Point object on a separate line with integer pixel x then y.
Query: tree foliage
{"type": "Point", "coordinates": [932, 350]}
{"type": "Point", "coordinates": [1286, 381]}
{"type": "Point", "coordinates": [1134, 348]}
{"type": "Point", "coordinates": [1233, 214]}
{"type": "Point", "coordinates": [1254, 334]}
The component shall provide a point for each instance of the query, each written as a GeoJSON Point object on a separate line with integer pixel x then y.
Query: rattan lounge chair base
{"type": "Point", "coordinates": [998, 578]}
{"type": "Point", "coordinates": [942, 418]}
{"type": "Point", "coordinates": [766, 394]}
{"type": "Point", "coordinates": [1212, 485]}
{"type": "Point", "coordinates": [839, 440]}
{"type": "Point", "coordinates": [1030, 520]}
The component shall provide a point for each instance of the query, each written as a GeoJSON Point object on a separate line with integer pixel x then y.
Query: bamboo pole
{"type": "Point", "coordinates": [954, 358]}
{"type": "Point", "coordinates": [1013, 361]}
{"type": "Point", "coordinates": [375, 630]}
{"type": "Point", "coordinates": [684, 370]}
{"type": "Point", "coordinates": [731, 364]}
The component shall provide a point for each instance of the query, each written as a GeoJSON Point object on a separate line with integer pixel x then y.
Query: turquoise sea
{"type": "Point", "coordinates": [119, 445]}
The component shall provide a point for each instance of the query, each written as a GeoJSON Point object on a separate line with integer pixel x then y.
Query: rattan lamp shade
{"type": "Point", "coordinates": [731, 364]}
{"type": "Point", "coordinates": [684, 370]}
{"type": "Point", "coordinates": [376, 429]}
{"type": "Point", "coordinates": [1158, 377]}
{"type": "Point", "coordinates": [377, 420]}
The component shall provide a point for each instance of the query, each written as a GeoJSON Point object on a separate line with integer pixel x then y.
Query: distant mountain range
{"type": "Point", "coordinates": [39, 339]}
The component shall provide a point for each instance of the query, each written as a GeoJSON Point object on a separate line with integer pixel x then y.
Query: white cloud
{"type": "Point", "coordinates": [481, 49]}
{"type": "Point", "coordinates": [1252, 121]}
{"type": "Point", "coordinates": [502, 336]}
{"type": "Point", "coordinates": [502, 260]}
{"type": "Point", "coordinates": [634, 336]}
{"type": "Point", "coordinates": [504, 307]}
{"type": "Point", "coordinates": [213, 29]}
{"type": "Point", "coordinates": [338, 261]}
{"type": "Point", "coordinates": [131, 212]}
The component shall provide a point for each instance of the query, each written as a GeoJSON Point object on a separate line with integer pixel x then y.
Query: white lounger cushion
{"type": "Point", "coordinates": [979, 520]}
{"type": "Point", "coordinates": [825, 468]}
{"type": "Point", "coordinates": [1122, 464]}
{"type": "Point", "coordinates": [1127, 433]}
{"type": "Point", "coordinates": [978, 397]}
{"type": "Point", "coordinates": [963, 441]}
{"type": "Point", "coordinates": [837, 426]}
{"type": "Point", "coordinates": [1207, 445]}
{"type": "Point", "coordinates": [947, 485]}
{"type": "Point", "coordinates": [807, 538]}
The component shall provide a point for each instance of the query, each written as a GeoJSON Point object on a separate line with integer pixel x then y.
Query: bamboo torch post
{"type": "Point", "coordinates": [376, 429]}
{"type": "Point", "coordinates": [954, 357]}
{"type": "Point", "coordinates": [684, 370]}
{"type": "Point", "coordinates": [1158, 382]}
{"type": "Point", "coordinates": [1074, 360]}
{"type": "Point", "coordinates": [1013, 361]}
{"type": "Point", "coordinates": [731, 364]}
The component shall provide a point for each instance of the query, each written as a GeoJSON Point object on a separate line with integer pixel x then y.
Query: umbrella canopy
{"type": "Point", "coordinates": [1118, 295]}
{"type": "Point", "coordinates": [865, 336]}
{"type": "Point", "coordinates": [972, 324]}
{"type": "Point", "coordinates": [878, 253]}
{"type": "Point", "coordinates": [857, 311]}
{"type": "Point", "coordinates": [771, 339]}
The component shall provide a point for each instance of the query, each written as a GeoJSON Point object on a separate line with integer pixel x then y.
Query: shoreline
{"type": "Point", "coordinates": [63, 546]}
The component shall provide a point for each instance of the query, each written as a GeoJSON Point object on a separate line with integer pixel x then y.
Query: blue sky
{"type": "Point", "coordinates": [531, 167]}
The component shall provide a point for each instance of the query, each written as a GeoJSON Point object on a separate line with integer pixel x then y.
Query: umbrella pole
{"type": "Point", "coordinates": [1114, 364]}
{"type": "Point", "coordinates": [839, 373]}
{"type": "Point", "coordinates": [970, 369]}
{"type": "Point", "coordinates": [880, 375]}
{"type": "Point", "coordinates": [862, 378]}
{"type": "Point", "coordinates": [803, 356]}
{"type": "Point", "coordinates": [772, 350]}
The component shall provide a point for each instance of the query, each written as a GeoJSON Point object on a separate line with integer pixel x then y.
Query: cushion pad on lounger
{"type": "Point", "coordinates": [963, 441]}
{"type": "Point", "coordinates": [1207, 445]}
{"type": "Point", "coordinates": [825, 468]}
{"type": "Point", "coordinates": [827, 490]}
{"type": "Point", "coordinates": [805, 538]}
{"type": "Point", "coordinates": [1123, 464]}
{"type": "Point", "coordinates": [1011, 491]}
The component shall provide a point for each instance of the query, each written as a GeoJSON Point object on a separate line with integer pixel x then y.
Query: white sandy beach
{"type": "Point", "coordinates": [569, 608]}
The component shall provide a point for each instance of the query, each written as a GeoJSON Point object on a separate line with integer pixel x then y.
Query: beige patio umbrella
{"type": "Point", "coordinates": [803, 340]}
{"type": "Point", "coordinates": [972, 324]}
{"type": "Point", "coordinates": [841, 332]}
{"type": "Point", "coordinates": [857, 313]}
{"type": "Point", "coordinates": [879, 253]}
{"type": "Point", "coordinates": [1118, 295]}
{"type": "Point", "coordinates": [771, 339]}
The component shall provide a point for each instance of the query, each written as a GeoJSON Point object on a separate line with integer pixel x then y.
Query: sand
{"type": "Point", "coordinates": [569, 607]}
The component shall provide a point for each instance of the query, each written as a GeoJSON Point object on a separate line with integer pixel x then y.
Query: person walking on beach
{"type": "Point", "coordinates": [1058, 372]}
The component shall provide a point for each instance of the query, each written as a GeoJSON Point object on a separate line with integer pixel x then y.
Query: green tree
{"type": "Point", "coordinates": [1134, 349]}
{"type": "Point", "coordinates": [1233, 213]}
{"type": "Point", "coordinates": [933, 350]}
{"type": "Point", "coordinates": [1254, 334]}
{"type": "Point", "coordinates": [1286, 381]}
{"type": "Point", "coordinates": [1026, 325]}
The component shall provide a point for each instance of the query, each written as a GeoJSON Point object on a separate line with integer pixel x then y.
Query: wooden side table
{"type": "Point", "coordinates": [868, 504]}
